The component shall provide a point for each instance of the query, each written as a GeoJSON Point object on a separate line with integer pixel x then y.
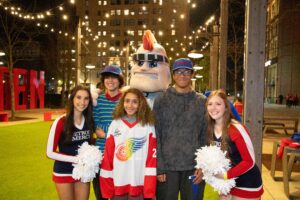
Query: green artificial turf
{"type": "Point", "coordinates": [25, 171]}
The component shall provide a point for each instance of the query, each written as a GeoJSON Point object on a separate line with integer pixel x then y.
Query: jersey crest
{"type": "Point", "coordinates": [125, 150]}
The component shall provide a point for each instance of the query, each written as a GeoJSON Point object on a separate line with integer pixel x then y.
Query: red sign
{"type": "Point", "coordinates": [29, 91]}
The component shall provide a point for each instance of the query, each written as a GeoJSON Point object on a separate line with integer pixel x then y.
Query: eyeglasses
{"type": "Point", "coordinates": [183, 72]}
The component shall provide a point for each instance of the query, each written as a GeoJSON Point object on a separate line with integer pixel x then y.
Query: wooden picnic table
{"type": "Point", "coordinates": [288, 159]}
{"type": "Point", "coordinates": [283, 123]}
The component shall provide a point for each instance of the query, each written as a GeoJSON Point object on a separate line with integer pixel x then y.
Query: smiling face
{"type": "Point", "coordinates": [111, 83]}
{"type": "Point", "coordinates": [131, 104]}
{"type": "Point", "coordinates": [216, 108]}
{"type": "Point", "coordinates": [182, 78]}
{"type": "Point", "coordinates": [81, 101]}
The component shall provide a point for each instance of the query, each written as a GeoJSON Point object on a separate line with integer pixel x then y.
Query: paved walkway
{"type": "Point", "coordinates": [273, 189]}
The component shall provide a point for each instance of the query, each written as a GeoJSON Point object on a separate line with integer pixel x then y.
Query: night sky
{"type": "Point", "coordinates": [204, 9]}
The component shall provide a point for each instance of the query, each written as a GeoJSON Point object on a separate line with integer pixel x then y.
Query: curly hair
{"type": "Point", "coordinates": [88, 114]}
{"type": "Point", "coordinates": [227, 120]}
{"type": "Point", "coordinates": [144, 113]}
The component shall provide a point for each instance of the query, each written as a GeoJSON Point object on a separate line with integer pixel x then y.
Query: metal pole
{"type": "Point", "coordinates": [78, 53]}
{"type": "Point", "coordinates": [127, 64]}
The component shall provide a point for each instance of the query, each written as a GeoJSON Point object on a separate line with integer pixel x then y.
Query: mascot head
{"type": "Point", "coordinates": [150, 70]}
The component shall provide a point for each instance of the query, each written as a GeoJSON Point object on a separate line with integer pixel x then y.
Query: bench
{"type": "Point", "coordinates": [278, 123]}
{"type": "Point", "coordinates": [3, 116]}
{"type": "Point", "coordinates": [287, 164]}
{"type": "Point", "coordinates": [48, 114]}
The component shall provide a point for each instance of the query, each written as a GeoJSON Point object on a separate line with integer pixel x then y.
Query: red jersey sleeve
{"type": "Point", "coordinates": [55, 132]}
{"type": "Point", "coordinates": [150, 172]}
{"type": "Point", "coordinates": [106, 174]}
{"type": "Point", "coordinates": [242, 140]}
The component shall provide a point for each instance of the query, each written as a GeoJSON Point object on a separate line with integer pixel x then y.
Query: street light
{"type": "Point", "coordinates": [195, 54]}
{"type": "Point", "coordinates": [196, 67]}
{"type": "Point", "coordinates": [90, 66]}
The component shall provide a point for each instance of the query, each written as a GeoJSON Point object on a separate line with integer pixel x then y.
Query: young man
{"type": "Point", "coordinates": [112, 80]}
{"type": "Point", "coordinates": [181, 129]}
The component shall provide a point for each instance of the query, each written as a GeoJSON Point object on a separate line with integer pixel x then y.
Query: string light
{"type": "Point", "coordinates": [51, 12]}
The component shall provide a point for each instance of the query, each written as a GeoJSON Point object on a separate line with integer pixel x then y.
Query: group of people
{"type": "Point", "coordinates": [291, 100]}
{"type": "Point", "coordinates": [149, 152]}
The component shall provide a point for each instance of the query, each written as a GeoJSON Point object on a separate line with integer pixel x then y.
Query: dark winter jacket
{"type": "Point", "coordinates": [180, 129]}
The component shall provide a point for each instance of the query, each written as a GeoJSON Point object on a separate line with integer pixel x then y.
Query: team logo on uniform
{"type": "Point", "coordinates": [117, 132]}
{"type": "Point", "coordinates": [125, 150]}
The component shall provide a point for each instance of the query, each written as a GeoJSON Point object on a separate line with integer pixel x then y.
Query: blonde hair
{"type": "Point", "coordinates": [144, 113]}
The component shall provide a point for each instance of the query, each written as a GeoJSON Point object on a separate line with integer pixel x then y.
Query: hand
{"type": "Point", "coordinates": [220, 176]}
{"type": "Point", "coordinates": [162, 178]}
{"type": "Point", "coordinates": [100, 133]}
{"type": "Point", "coordinates": [198, 176]}
{"type": "Point", "coordinates": [224, 197]}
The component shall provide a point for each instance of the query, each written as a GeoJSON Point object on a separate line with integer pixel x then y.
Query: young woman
{"type": "Point", "coordinates": [67, 133]}
{"type": "Point", "coordinates": [234, 138]}
{"type": "Point", "coordinates": [128, 169]}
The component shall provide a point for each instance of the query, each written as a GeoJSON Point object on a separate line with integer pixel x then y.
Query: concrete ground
{"type": "Point", "coordinates": [273, 189]}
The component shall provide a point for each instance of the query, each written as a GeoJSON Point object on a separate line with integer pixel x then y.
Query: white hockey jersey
{"type": "Point", "coordinates": [129, 163]}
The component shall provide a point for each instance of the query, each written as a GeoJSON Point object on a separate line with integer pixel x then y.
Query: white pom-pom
{"type": "Point", "coordinates": [212, 160]}
{"type": "Point", "coordinates": [89, 158]}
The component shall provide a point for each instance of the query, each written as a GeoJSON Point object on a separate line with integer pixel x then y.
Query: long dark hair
{"type": "Point", "coordinates": [144, 113]}
{"type": "Point", "coordinates": [87, 113]}
{"type": "Point", "coordinates": [226, 122]}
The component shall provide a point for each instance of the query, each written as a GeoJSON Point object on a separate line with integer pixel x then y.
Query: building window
{"type": "Point", "coordinates": [86, 2]}
{"type": "Point", "coordinates": [142, 22]}
{"type": "Point", "coordinates": [173, 32]}
{"type": "Point", "coordinates": [99, 33]}
{"type": "Point", "coordinates": [129, 22]}
{"type": "Point", "coordinates": [115, 2]}
{"type": "Point", "coordinates": [99, 2]}
{"type": "Point", "coordinates": [112, 12]}
{"type": "Point", "coordinates": [129, 1]}
{"type": "Point", "coordinates": [140, 32]}
{"type": "Point", "coordinates": [118, 12]}
{"type": "Point", "coordinates": [104, 23]}
{"type": "Point", "coordinates": [126, 12]}
{"type": "Point", "coordinates": [104, 33]}
{"type": "Point", "coordinates": [131, 33]}
{"type": "Point", "coordinates": [115, 22]}
{"type": "Point", "coordinates": [99, 13]}
{"type": "Point", "coordinates": [143, 1]}
{"type": "Point", "coordinates": [104, 3]}
{"type": "Point", "coordinates": [99, 53]}
{"type": "Point", "coordinates": [99, 23]}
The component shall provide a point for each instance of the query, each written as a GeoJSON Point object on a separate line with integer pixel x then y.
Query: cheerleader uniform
{"type": "Point", "coordinates": [64, 154]}
{"type": "Point", "coordinates": [241, 153]}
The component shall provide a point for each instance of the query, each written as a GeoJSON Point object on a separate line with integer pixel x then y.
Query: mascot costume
{"type": "Point", "coordinates": [150, 72]}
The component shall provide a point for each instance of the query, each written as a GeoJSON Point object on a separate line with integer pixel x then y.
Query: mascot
{"type": "Point", "coordinates": [150, 70]}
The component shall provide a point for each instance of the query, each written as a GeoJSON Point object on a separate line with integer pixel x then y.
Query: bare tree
{"type": "Point", "coordinates": [236, 40]}
{"type": "Point", "coordinates": [14, 35]}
